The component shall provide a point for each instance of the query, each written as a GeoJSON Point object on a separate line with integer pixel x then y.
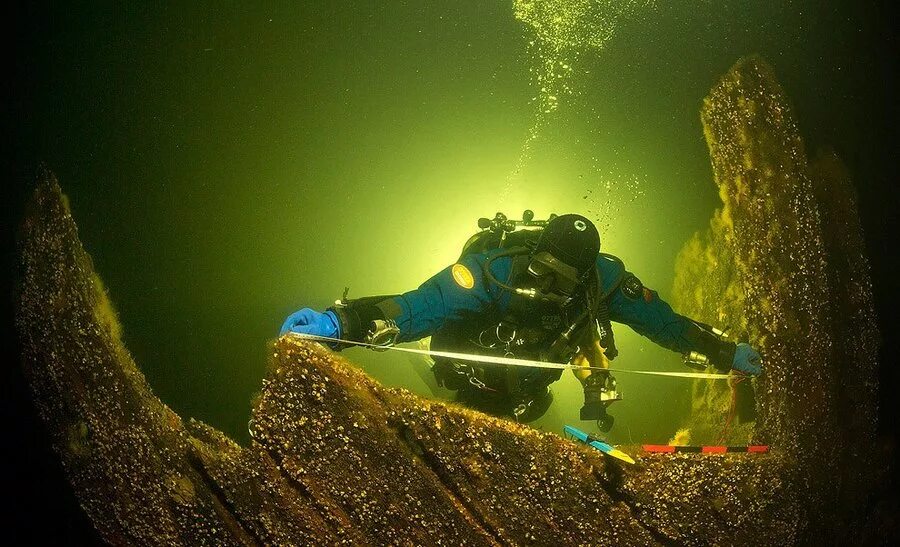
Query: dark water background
{"type": "Point", "coordinates": [227, 165]}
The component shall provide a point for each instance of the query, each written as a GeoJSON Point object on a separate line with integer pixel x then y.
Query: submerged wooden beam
{"type": "Point", "coordinates": [336, 457]}
{"type": "Point", "coordinates": [783, 263]}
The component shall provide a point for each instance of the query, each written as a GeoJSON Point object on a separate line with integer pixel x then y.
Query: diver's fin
{"type": "Point", "coordinates": [594, 442]}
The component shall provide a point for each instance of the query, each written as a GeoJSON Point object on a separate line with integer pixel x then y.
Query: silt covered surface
{"type": "Point", "coordinates": [336, 457]}
{"type": "Point", "coordinates": [783, 263]}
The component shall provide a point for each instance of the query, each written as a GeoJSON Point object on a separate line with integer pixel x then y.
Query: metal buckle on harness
{"type": "Point", "coordinates": [469, 372]}
{"type": "Point", "coordinates": [499, 339]}
{"type": "Point", "coordinates": [478, 383]}
{"type": "Point", "coordinates": [522, 408]}
{"type": "Point", "coordinates": [512, 334]}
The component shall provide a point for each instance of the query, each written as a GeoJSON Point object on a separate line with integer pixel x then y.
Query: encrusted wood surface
{"type": "Point", "coordinates": [784, 264]}
{"type": "Point", "coordinates": [336, 457]}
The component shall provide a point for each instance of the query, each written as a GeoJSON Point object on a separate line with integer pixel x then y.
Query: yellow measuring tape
{"type": "Point", "coordinates": [510, 361]}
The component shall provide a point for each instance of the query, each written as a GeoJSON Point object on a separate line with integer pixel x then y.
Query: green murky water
{"type": "Point", "coordinates": [229, 165]}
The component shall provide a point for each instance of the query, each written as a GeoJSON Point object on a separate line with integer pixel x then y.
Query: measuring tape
{"type": "Point", "coordinates": [509, 361]}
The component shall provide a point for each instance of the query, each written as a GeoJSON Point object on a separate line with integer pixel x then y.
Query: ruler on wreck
{"type": "Point", "coordinates": [705, 449]}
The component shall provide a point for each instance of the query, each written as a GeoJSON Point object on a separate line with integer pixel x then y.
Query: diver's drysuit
{"type": "Point", "coordinates": [472, 307]}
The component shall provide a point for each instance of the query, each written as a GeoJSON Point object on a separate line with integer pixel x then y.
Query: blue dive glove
{"type": "Point", "coordinates": [308, 321]}
{"type": "Point", "coordinates": [747, 360]}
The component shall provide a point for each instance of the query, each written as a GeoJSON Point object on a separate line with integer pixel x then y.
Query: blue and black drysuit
{"type": "Point", "coordinates": [464, 311]}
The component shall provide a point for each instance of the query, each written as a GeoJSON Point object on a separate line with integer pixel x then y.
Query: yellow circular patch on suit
{"type": "Point", "coordinates": [462, 276]}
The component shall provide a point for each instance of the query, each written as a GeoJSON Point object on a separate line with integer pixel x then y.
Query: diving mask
{"type": "Point", "coordinates": [554, 276]}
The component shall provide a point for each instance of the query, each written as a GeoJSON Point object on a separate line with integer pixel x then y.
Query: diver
{"type": "Point", "coordinates": [535, 290]}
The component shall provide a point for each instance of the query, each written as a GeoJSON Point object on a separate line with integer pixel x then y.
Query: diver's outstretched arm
{"type": "Point", "coordinates": [649, 315]}
{"type": "Point", "coordinates": [451, 294]}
